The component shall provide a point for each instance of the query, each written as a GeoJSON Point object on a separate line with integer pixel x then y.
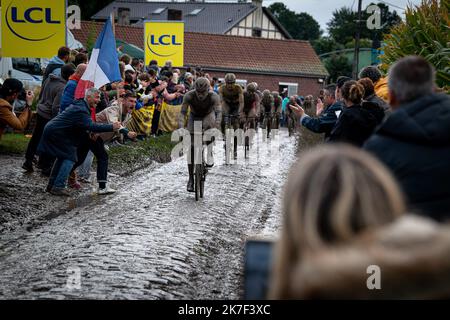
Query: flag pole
{"type": "Point", "coordinates": [113, 23]}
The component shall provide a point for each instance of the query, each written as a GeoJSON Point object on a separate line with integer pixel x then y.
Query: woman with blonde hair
{"type": "Point", "coordinates": [341, 211]}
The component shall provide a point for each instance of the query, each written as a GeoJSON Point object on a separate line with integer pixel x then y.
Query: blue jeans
{"type": "Point", "coordinates": [60, 172]}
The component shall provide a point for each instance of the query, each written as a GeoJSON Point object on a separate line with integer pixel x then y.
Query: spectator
{"type": "Point", "coordinates": [339, 83]}
{"type": "Point", "coordinates": [371, 96]}
{"type": "Point", "coordinates": [153, 65]}
{"type": "Point", "coordinates": [55, 64]}
{"type": "Point", "coordinates": [95, 146]}
{"type": "Point", "coordinates": [68, 94]}
{"type": "Point", "coordinates": [9, 92]}
{"type": "Point", "coordinates": [414, 142]}
{"type": "Point", "coordinates": [135, 64]}
{"type": "Point", "coordinates": [118, 112]}
{"type": "Point", "coordinates": [380, 83]}
{"type": "Point", "coordinates": [188, 81]}
{"type": "Point", "coordinates": [80, 58]}
{"type": "Point", "coordinates": [333, 195]}
{"type": "Point", "coordinates": [63, 134]}
{"type": "Point", "coordinates": [326, 118]}
{"type": "Point", "coordinates": [47, 109]}
{"type": "Point", "coordinates": [357, 122]}
{"type": "Point", "coordinates": [125, 59]}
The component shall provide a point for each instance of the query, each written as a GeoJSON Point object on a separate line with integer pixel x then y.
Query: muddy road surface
{"type": "Point", "coordinates": [151, 240]}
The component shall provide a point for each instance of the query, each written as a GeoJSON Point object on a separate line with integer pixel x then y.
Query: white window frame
{"type": "Point", "coordinates": [292, 87]}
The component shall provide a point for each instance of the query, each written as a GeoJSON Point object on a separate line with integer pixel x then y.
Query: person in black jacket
{"type": "Point", "coordinates": [414, 142]}
{"type": "Point", "coordinates": [358, 120]}
{"type": "Point", "coordinates": [371, 96]}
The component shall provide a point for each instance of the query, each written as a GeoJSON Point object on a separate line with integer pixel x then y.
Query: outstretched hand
{"type": "Point", "coordinates": [299, 112]}
{"type": "Point", "coordinates": [319, 107]}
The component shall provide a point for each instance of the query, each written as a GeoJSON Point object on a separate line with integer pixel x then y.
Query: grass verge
{"type": "Point", "coordinates": [123, 159]}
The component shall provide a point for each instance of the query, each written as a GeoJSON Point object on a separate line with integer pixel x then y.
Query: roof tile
{"type": "Point", "coordinates": [233, 52]}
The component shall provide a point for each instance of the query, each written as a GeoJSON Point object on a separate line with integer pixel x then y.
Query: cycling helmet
{"type": "Point", "coordinates": [251, 87]}
{"type": "Point", "coordinates": [266, 93]}
{"type": "Point", "coordinates": [202, 84]}
{"type": "Point", "coordinates": [275, 94]}
{"type": "Point", "coordinates": [230, 78]}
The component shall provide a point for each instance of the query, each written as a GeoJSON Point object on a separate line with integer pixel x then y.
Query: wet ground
{"type": "Point", "coordinates": [150, 240]}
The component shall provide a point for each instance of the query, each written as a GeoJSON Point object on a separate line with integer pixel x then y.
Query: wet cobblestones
{"type": "Point", "coordinates": [150, 240]}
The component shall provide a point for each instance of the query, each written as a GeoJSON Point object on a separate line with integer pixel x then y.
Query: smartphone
{"type": "Point", "coordinates": [257, 266]}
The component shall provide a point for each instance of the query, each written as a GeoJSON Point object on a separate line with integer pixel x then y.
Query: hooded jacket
{"type": "Point", "coordinates": [414, 142]}
{"type": "Point", "coordinates": [409, 257]}
{"type": "Point", "coordinates": [48, 106]}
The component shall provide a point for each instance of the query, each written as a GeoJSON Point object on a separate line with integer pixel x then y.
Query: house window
{"type": "Point", "coordinates": [291, 87]}
{"type": "Point", "coordinates": [195, 12]}
{"type": "Point", "coordinates": [256, 32]}
{"type": "Point", "coordinates": [176, 15]}
{"type": "Point", "coordinates": [158, 11]}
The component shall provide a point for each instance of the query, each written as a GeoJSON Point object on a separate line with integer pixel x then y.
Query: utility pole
{"type": "Point", "coordinates": [358, 35]}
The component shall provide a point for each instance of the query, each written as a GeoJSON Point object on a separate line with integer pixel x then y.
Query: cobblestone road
{"type": "Point", "coordinates": [151, 240]}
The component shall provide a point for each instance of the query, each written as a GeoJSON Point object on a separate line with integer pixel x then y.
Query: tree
{"type": "Point", "coordinates": [424, 33]}
{"type": "Point", "coordinates": [325, 45]}
{"type": "Point", "coordinates": [343, 25]}
{"type": "Point", "coordinates": [301, 26]}
{"type": "Point", "coordinates": [338, 65]}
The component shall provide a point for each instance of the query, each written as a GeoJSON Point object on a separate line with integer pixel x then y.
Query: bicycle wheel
{"type": "Point", "coordinates": [290, 127]}
{"type": "Point", "coordinates": [202, 180]}
{"type": "Point", "coordinates": [197, 182]}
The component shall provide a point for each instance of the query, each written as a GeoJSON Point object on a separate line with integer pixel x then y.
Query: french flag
{"type": "Point", "coordinates": [103, 67]}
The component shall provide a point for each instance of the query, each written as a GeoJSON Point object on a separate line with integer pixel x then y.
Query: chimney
{"type": "Point", "coordinates": [123, 16]}
{"type": "Point", "coordinates": [257, 3]}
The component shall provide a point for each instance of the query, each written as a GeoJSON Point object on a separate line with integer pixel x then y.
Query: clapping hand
{"type": "Point", "coordinates": [116, 125]}
{"type": "Point", "coordinates": [299, 112]}
{"type": "Point", "coordinates": [132, 135]}
{"type": "Point", "coordinates": [319, 107]}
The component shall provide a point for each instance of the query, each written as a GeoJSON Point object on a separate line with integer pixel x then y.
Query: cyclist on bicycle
{"type": "Point", "coordinates": [204, 106]}
{"type": "Point", "coordinates": [277, 101]}
{"type": "Point", "coordinates": [267, 106]}
{"type": "Point", "coordinates": [251, 103]}
{"type": "Point", "coordinates": [232, 100]}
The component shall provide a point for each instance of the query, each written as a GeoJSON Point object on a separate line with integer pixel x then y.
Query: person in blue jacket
{"type": "Point", "coordinates": [327, 112]}
{"type": "Point", "coordinates": [63, 134]}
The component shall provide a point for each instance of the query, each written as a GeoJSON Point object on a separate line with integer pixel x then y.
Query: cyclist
{"type": "Point", "coordinates": [267, 108]}
{"type": "Point", "coordinates": [251, 103]}
{"type": "Point", "coordinates": [277, 101]}
{"type": "Point", "coordinates": [232, 100]}
{"type": "Point", "coordinates": [204, 106]}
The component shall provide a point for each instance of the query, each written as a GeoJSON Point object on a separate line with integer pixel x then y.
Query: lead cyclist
{"type": "Point", "coordinates": [204, 106]}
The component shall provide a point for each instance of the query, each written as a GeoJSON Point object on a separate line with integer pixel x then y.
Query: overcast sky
{"type": "Point", "coordinates": [322, 10]}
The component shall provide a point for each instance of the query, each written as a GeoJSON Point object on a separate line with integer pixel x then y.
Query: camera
{"type": "Point", "coordinates": [22, 95]}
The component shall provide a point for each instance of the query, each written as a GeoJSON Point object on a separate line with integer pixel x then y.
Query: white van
{"type": "Point", "coordinates": [27, 70]}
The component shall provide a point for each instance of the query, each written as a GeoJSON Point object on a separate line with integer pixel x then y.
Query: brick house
{"type": "Point", "coordinates": [273, 64]}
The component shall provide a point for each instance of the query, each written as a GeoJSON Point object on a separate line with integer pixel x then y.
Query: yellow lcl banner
{"type": "Point", "coordinates": [33, 28]}
{"type": "Point", "coordinates": [164, 41]}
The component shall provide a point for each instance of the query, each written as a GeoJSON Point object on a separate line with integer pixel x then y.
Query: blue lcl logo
{"type": "Point", "coordinates": [164, 40]}
{"type": "Point", "coordinates": [33, 15]}
{"type": "Point", "coordinates": [27, 15]}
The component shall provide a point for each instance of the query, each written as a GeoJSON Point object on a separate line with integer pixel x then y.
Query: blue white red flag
{"type": "Point", "coordinates": [103, 67]}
